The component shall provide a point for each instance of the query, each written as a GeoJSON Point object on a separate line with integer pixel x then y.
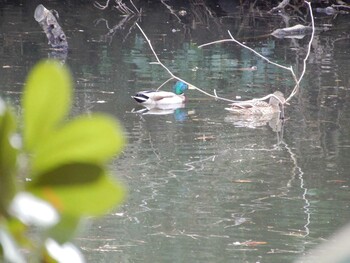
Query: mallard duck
{"type": "Point", "coordinates": [257, 107]}
{"type": "Point", "coordinates": [153, 97]}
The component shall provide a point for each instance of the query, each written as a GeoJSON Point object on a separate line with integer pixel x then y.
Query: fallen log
{"type": "Point", "coordinates": [48, 22]}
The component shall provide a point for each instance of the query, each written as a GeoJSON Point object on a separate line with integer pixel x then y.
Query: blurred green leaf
{"type": "Point", "coordinates": [18, 231]}
{"type": "Point", "coordinates": [8, 155]}
{"type": "Point", "coordinates": [46, 101]}
{"type": "Point", "coordinates": [86, 139]}
{"type": "Point", "coordinates": [69, 174]}
{"type": "Point", "coordinates": [78, 189]}
{"type": "Point", "coordinates": [67, 164]}
{"type": "Point", "coordinates": [65, 229]}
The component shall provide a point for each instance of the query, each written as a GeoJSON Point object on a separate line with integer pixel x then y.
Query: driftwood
{"type": "Point", "coordinates": [48, 22]}
{"type": "Point", "coordinates": [294, 31]}
{"type": "Point", "coordinates": [334, 10]}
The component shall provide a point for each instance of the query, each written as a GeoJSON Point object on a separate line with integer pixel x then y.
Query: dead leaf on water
{"type": "Point", "coordinates": [336, 181]}
{"type": "Point", "coordinates": [204, 138]}
{"type": "Point", "coordinates": [242, 181]}
{"type": "Point", "coordinates": [254, 243]}
{"type": "Point", "coordinates": [294, 233]}
{"type": "Point", "coordinates": [279, 251]}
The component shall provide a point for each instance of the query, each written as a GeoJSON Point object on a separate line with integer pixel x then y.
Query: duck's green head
{"type": "Point", "coordinates": [180, 87]}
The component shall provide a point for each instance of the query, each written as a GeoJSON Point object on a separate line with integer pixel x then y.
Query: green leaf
{"type": "Point", "coordinates": [69, 174]}
{"type": "Point", "coordinates": [65, 229]}
{"type": "Point", "coordinates": [8, 155]}
{"type": "Point", "coordinates": [86, 139]}
{"type": "Point", "coordinates": [78, 189]}
{"type": "Point", "coordinates": [18, 230]}
{"type": "Point", "coordinates": [46, 101]}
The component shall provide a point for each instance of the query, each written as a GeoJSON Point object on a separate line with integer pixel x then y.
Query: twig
{"type": "Point", "coordinates": [216, 42]}
{"type": "Point", "coordinates": [120, 6]}
{"type": "Point", "coordinates": [123, 7]}
{"type": "Point", "coordinates": [137, 10]}
{"type": "Point", "coordinates": [258, 54]}
{"type": "Point", "coordinates": [122, 24]}
{"type": "Point", "coordinates": [281, 6]}
{"type": "Point", "coordinates": [174, 76]}
{"type": "Point", "coordinates": [340, 6]}
{"type": "Point", "coordinates": [232, 39]}
{"type": "Point", "coordinates": [101, 7]}
{"type": "Point", "coordinates": [171, 10]}
{"type": "Point", "coordinates": [165, 82]}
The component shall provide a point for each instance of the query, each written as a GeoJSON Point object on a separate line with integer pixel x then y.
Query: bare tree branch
{"type": "Point", "coordinates": [176, 77]}
{"type": "Point", "coordinates": [297, 80]}
{"type": "Point", "coordinates": [296, 88]}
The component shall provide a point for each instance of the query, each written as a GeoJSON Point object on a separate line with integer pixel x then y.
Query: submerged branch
{"type": "Point", "coordinates": [123, 8]}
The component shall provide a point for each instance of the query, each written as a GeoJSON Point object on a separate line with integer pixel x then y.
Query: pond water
{"type": "Point", "coordinates": [202, 185]}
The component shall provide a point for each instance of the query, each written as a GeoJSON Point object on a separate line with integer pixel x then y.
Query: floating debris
{"type": "Point", "coordinates": [297, 31]}
{"type": "Point", "coordinates": [48, 22]}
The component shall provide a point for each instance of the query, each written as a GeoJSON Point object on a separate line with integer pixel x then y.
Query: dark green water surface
{"type": "Point", "coordinates": [202, 186]}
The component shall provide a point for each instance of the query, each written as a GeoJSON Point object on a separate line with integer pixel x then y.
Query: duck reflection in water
{"type": "Point", "coordinates": [274, 121]}
{"type": "Point", "coordinates": [178, 110]}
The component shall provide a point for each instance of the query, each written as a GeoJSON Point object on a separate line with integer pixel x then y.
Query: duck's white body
{"type": "Point", "coordinates": [152, 97]}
